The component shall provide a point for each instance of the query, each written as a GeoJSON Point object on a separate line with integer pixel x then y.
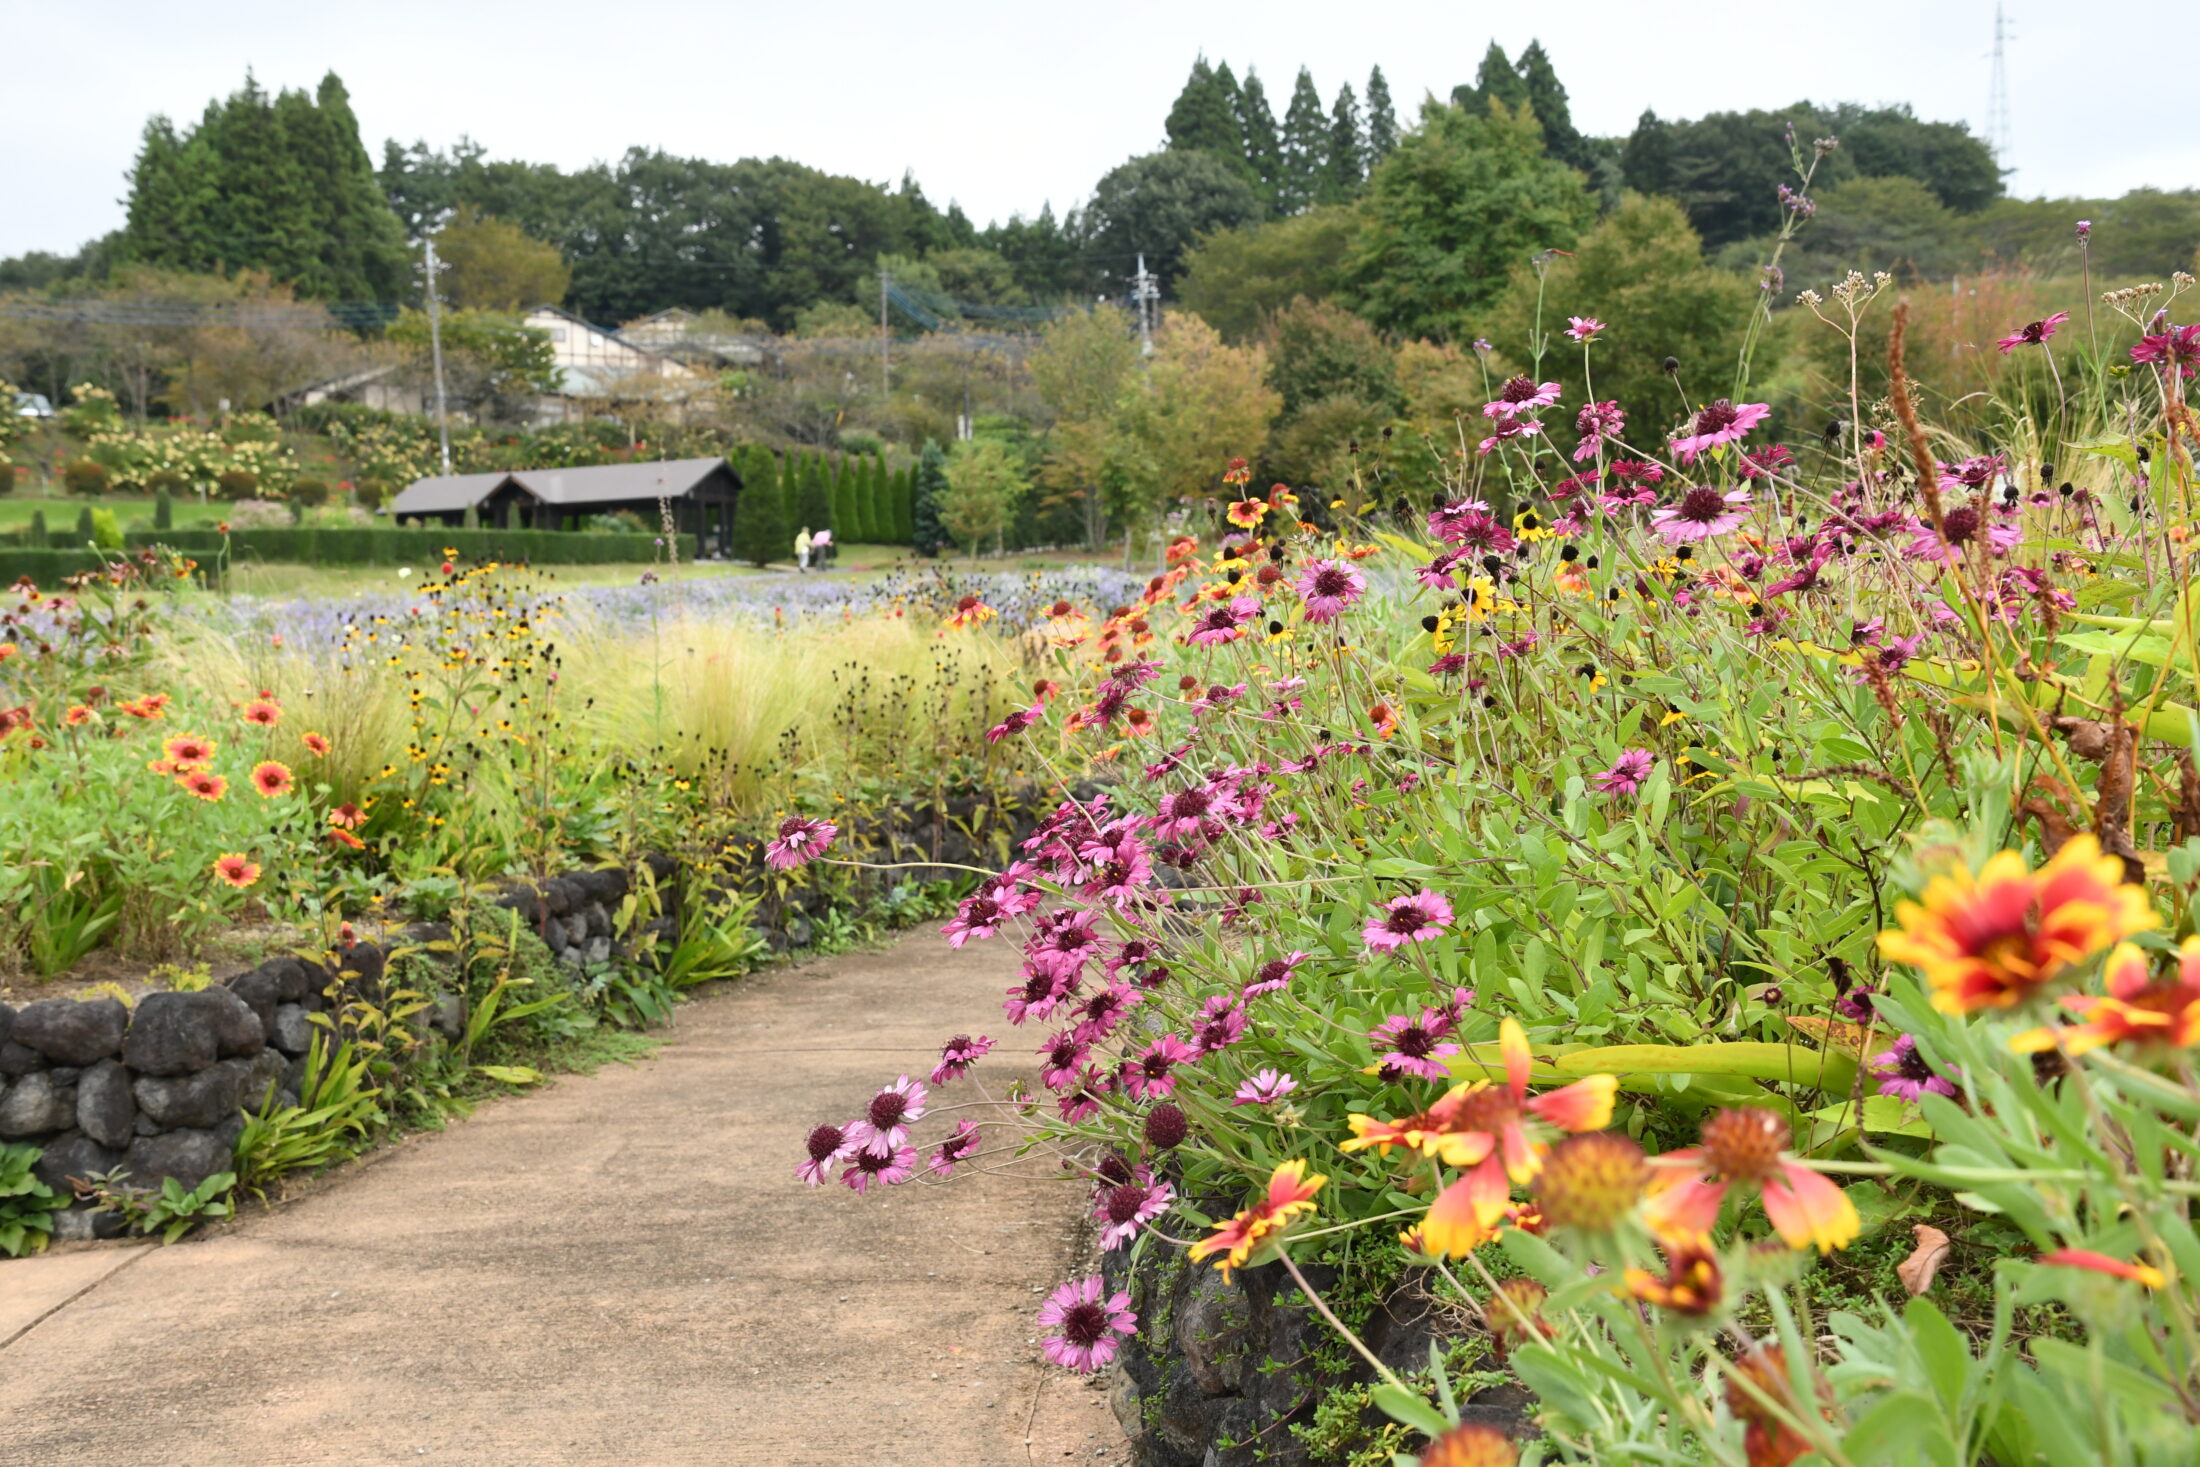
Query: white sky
{"type": "Point", "coordinates": [1005, 104]}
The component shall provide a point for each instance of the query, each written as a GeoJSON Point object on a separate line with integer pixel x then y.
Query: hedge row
{"type": "Point", "coordinates": [307, 545]}
{"type": "Point", "coordinates": [44, 567]}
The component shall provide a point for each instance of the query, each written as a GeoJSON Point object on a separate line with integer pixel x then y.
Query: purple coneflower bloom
{"type": "Point", "coordinates": [1265, 1088]}
{"type": "Point", "coordinates": [1060, 1058]}
{"type": "Point", "coordinates": [955, 1148]}
{"type": "Point", "coordinates": [800, 841]}
{"type": "Point", "coordinates": [888, 1169]}
{"type": "Point", "coordinates": [883, 1126]}
{"type": "Point", "coordinates": [1128, 1206]}
{"type": "Point", "coordinates": [1447, 665]}
{"type": "Point", "coordinates": [1521, 395]}
{"type": "Point", "coordinates": [957, 1055]}
{"type": "Point", "coordinates": [1089, 1324]}
{"type": "Point", "coordinates": [1595, 423]}
{"type": "Point", "coordinates": [1274, 974]}
{"type": "Point", "coordinates": [1328, 587]}
{"type": "Point", "coordinates": [2177, 346]}
{"type": "Point", "coordinates": [1627, 773]}
{"type": "Point", "coordinates": [1152, 1071]}
{"type": "Point", "coordinates": [1583, 329]}
{"type": "Point", "coordinates": [1037, 996]}
{"type": "Point", "coordinates": [1410, 1045]}
{"type": "Point", "coordinates": [1903, 1073]}
{"type": "Point", "coordinates": [1702, 513]}
{"type": "Point", "coordinates": [1973, 473]}
{"type": "Point", "coordinates": [1098, 1015]}
{"type": "Point", "coordinates": [1224, 621]}
{"type": "Point", "coordinates": [1958, 528]}
{"type": "Point", "coordinates": [1221, 1024]}
{"type": "Point", "coordinates": [1721, 423]}
{"type": "Point", "coordinates": [1083, 1102]}
{"type": "Point", "coordinates": [1442, 518]}
{"type": "Point", "coordinates": [1016, 723]}
{"type": "Point", "coordinates": [1407, 919]}
{"type": "Point", "coordinates": [979, 916]}
{"type": "Point", "coordinates": [1507, 430]}
{"type": "Point", "coordinates": [827, 1145]}
{"type": "Point", "coordinates": [2034, 333]}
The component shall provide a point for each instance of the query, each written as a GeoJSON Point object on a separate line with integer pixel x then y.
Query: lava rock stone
{"type": "Point", "coordinates": [203, 1098]}
{"type": "Point", "coordinates": [362, 967]}
{"type": "Point", "coordinates": [261, 991]}
{"type": "Point", "coordinates": [449, 1017]}
{"type": "Point", "coordinates": [105, 1109]}
{"type": "Point", "coordinates": [72, 1032]}
{"type": "Point", "coordinates": [73, 1155]}
{"type": "Point", "coordinates": [270, 1069]}
{"type": "Point", "coordinates": [17, 1059]}
{"type": "Point", "coordinates": [180, 1033]}
{"type": "Point", "coordinates": [293, 979]}
{"type": "Point", "coordinates": [188, 1156]}
{"type": "Point", "coordinates": [7, 1021]}
{"type": "Point", "coordinates": [292, 1031]}
{"type": "Point", "coordinates": [598, 950]}
{"type": "Point", "coordinates": [553, 934]}
{"type": "Point", "coordinates": [34, 1106]}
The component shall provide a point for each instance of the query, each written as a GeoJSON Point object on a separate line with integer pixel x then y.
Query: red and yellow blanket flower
{"type": "Point", "coordinates": [1994, 937]}
{"type": "Point", "coordinates": [1290, 1195]}
{"type": "Point", "coordinates": [2137, 1009]}
{"type": "Point", "coordinates": [1747, 1146]}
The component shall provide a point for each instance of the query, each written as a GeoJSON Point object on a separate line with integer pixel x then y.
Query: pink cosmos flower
{"type": "Point", "coordinates": [1224, 622]}
{"type": "Point", "coordinates": [1329, 587]}
{"type": "Point", "coordinates": [1264, 1088]}
{"type": "Point", "coordinates": [1508, 430]}
{"type": "Point", "coordinates": [1702, 513]}
{"type": "Point", "coordinates": [955, 1148]}
{"type": "Point", "coordinates": [1521, 395]}
{"type": "Point", "coordinates": [1627, 773]}
{"type": "Point", "coordinates": [1411, 1045]}
{"type": "Point", "coordinates": [2034, 333]}
{"type": "Point", "coordinates": [1583, 329]}
{"type": "Point", "coordinates": [1720, 423]}
{"type": "Point", "coordinates": [1088, 1324]}
{"type": "Point", "coordinates": [2175, 346]}
{"type": "Point", "coordinates": [1407, 919]}
{"type": "Point", "coordinates": [888, 1169]}
{"type": "Point", "coordinates": [1128, 1206]}
{"type": "Point", "coordinates": [957, 1055]}
{"type": "Point", "coordinates": [1274, 974]}
{"type": "Point", "coordinates": [801, 840]}
{"type": "Point", "coordinates": [828, 1146]}
{"type": "Point", "coordinates": [884, 1124]}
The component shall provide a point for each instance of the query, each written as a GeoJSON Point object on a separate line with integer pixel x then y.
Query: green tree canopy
{"type": "Point", "coordinates": [1163, 202]}
{"type": "Point", "coordinates": [1235, 277]}
{"type": "Point", "coordinates": [1345, 167]}
{"type": "Point", "coordinates": [494, 266]}
{"type": "Point", "coordinates": [1382, 118]}
{"type": "Point", "coordinates": [985, 481]}
{"type": "Point", "coordinates": [1460, 202]}
{"type": "Point", "coordinates": [1204, 117]}
{"type": "Point", "coordinates": [928, 486]}
{"type": "Point", "coordinates": [1305, 147]}
{"type": "Point", "coordinates": [1257, 125]}
{"type": "Point", "coordinates": [1318, 349]}
{"type": "Point", "coordinates": [1083, 368]}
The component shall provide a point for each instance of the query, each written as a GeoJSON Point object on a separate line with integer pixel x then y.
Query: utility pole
{"type": "Point", "coordinates": [1146, 291]}
{"type": "Point", "coordinates": [435, 350]}
{"type": "Point", "coordinates": [1997, 94]}
{"type": "Point", "coordinates": [885, 347]}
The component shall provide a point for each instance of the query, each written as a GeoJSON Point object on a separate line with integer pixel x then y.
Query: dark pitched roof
{"type": "Point", "coordinates": [601, 484]}
{"type": "Point", "coordinates": [446, 494]}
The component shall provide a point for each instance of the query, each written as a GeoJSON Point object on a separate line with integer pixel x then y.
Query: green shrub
{"type": "Point", "coordinates": [83, 476]}
{"type": "Point", "coordinates": [106, 528]}
{"type": "Point", "coordinates": [85, 528]}
{"type": "Point", "coordinates": [8, 473]}
{"type": "Point", "coordinates": [309, 493]}
{"type": "Point", "coordinates": [38, 536]}
{"type": "Point", "coordinates": [164, 510]}
{"type": "Point", "coordinates": [239, 484]}
{"type": "Point", "coordinates": [167, 481]}
{"type": "Point", "coordinates": [44, 566]}
{"type": "Point", "coordinates": [370, 494]}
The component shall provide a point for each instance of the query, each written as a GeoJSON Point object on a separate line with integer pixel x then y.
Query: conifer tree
{"type": "Point", "coordinates": [41, 538]}
{"type": "Point", "coordinates": [1204, 116]}
{"type": "Point", "coordinates": [813, 500]}
{"type": "Point", "coordinates": [903, 497]}
{"type": "Point", "coordinates": [928, 534]}
{"type": "Point", "coordinates": [1546, 96]}
{"type": "Point", "coordinates": [164, 511]}
{"type": "Point", "coordinates": [1257, 125]}
{"type": "Point", "coordinates": [84, 530]}
{"type": "Point", "coordinates": [760, 533]}
{"type": "Point", "coordinates": [1495, 80]}
{"type": "Point", "coordinates": [1382, 119]}
{"type": "Point", "coordinates": [1345, 168]}
{"type": "Point", "coordinates": [1305, 147]}
{"type": "Point", "coordinates": [867, 501]}
{"type": "Point", "coordinates": [790, 486]}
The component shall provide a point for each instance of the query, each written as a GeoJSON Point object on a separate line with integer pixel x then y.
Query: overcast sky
{"type": "Point", "coordinates": [1004, 106]}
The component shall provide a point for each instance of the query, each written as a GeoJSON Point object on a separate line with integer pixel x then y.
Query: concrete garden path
{"type": "Point", "coordinates": [616, 1269]}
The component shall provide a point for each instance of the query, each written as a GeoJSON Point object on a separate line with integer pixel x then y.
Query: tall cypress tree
{"type": "Point", "coordinates": [1305, 147]}
{"type": "Point", "coordinates": [1382, 119]}
{"type": "Point", "coordinates": [1496, 79]}
{"type": "Point", "coordinates": [1257, 125]}
{"type": "Point", "coordinates": [814, 502]}
{"type": "Point", "coordinates": [903, 500]}
{"type": "Point", "coordinates": [1646, 160]}
{"type": "Point", "coordinates": [1204, 115]}
{"type": "Point", "coordinates": [867, 500]}
{"type": "Point", "coordinates": [1345, 168]}
{"type": "Point", "coordinates": [1547, 98]}
{"type": "Point", "coordinates": [760, 533]}
{"type": "Point", "coordinates": [790, 486]}
{"type": "Point", "coordinates": [927, 533]}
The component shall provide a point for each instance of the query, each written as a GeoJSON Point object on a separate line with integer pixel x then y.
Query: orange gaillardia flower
{"type": "Point", "coordinates": [2138, 1008]}
{"type": "Point", "coordinates": [344, 837]}
{"type": "Point", "coordinates": [272, 779]}
{"type": "Point", "coordinates": [1482, 1128]}
{"type": "Point", "coordinates": [207, 786]}
{"type": "Point", "coordinates": [1515, 1314]}
{"type": "Point", "coordinates": [1591, 1182]}
{"type": "Point", "coordinates": [237, 870]}
{"type": "Point", "coordinates": [265, 712]}
{"type": "Point", "coordinates": [1748, 1145]}
{"type": "Point", "coordinates": [317, 745]}
{"type": "Point", "coordinates": [1290, 1195]}
{"type": "Point", "coordinates": [1692, 1284]}
{"type": "Point", "coordinates": [1471, 1444]}
{"type": "Point", "coordinates": [1993, 938]}
{"type": "Point", "coordinates": [2092, 1262]}
{"type": "Point", "coordinates": [1761, 1393]}
{"type": "Point", "coordinates": [970, 611]}
{"type": "Point", "coordinates": [189, 749]}
{"type": "Point", "coordinates": [1246, 514]}
{"type": "Point", "coordinates": [347, 816]}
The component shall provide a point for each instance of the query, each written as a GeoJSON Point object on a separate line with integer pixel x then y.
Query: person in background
{"type": "Point", "coordinates": [803, 545]}
{"type": "Point", "coordinates": [822, 546]}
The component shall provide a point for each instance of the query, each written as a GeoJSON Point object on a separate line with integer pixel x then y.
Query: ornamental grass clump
{"type": "Point", "coordinates": [1657, 869]}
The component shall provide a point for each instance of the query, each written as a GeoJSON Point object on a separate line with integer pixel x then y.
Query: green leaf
{"type": "Point", "coordinates": [511, 1074]}
{"type": "Point", "coordinates": [1404, 1406]}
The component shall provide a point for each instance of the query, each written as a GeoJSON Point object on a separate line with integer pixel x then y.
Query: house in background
{"type": "Point", "coordinates": [596, 365]}
{"type": "Point", "coordinates": [699, 492]}
{"type": "Point", "coordinates": [680, 334]}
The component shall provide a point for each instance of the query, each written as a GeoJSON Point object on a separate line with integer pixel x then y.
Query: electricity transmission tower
{"type": "Point", "coordinates": [1146, 291]}
{"type": "Point", "coordinates": [1997, 95]}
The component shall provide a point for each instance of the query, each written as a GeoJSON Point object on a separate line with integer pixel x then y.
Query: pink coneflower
{"type": "Point", "coordinates": [1443, 518]}
{"type": "Point", "coordinates": [1595, 423]}
{"type": "Point", "coordinates": [2178, 346]}
{"type": "Point", "coordinates": [884, 1124]}
{"type": "Point", "coordinates": [1958, 528]}
{"type": "Point", "coordinates": [2033, 333]}
{"type": "Point", "coordinates": [1407, 919]}
{"type": "Point", "coordinates": [1763, 463]}
{"type": "Point", "coordinates": [1480, 533]}
{"type": "Point", "coordinates": [1973, 473]}
{"type": "Point", "coordinates": [1016, 723]}
{"type": "Point", "coordinates": [1265, 1088]}
{"type": "Point", "coordinates": [1098, 1015]}
{"type": "Point", "coordinates": [1719, 424]}
{"type": "Point", "coordinates": [801, 840]}
{"type": "Point", "coordinates": [1583, 329]}
{"type": "Point", "coordinates": [1150, 1073]}
{"type": "Point", "coordinates": [1128, 1206]}
{"type": "Point", "coordinates": [1083, 1102]}
{"type": "Point", "coordinates": [1507, 430]}
{"type": "Point", "coordinates": [1449, 665]}
{"type": "Point", "coordinates": [979, 917]}
{"type": "Point", "coordinates": [1224, 621]}
{"type": "Point", "coordinates": [1060, 1058]}
{"type": "Point", "coordinates": [1329, 587]}
{"type": "Point", "coordinates": [1903, 1073]}
{"type": "Point", "coordinates": [1411, 1045]}
{"type": "Point", "coordinates": [1274, 974]}
{"type": "Point", "coordinates": [1878, 660]}
{"type": "Point", "coordinates": [1702, 513]}
{"type": "Point", "coordinates": [1627, 773]}
{"type": "Point", "coordinates": [957, 1055]}
{"type": "Point", "coordinates": [888, 1169]}
{"type": "Point", "coordinates": [1037, 996]}
{"type": "Point", "coordinates": [1221, 1024]}
{"type": "Point", "coordinates": [954, 1149]}
{"type": "Point", "coordinates": [1089, 1324]}
{"type": "Point", "coordinates": [1521, 395]}
{"type": "Point", "coordinates": [828, 1146]}
{"type": "Point", "coordinates": [1121, 870]}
